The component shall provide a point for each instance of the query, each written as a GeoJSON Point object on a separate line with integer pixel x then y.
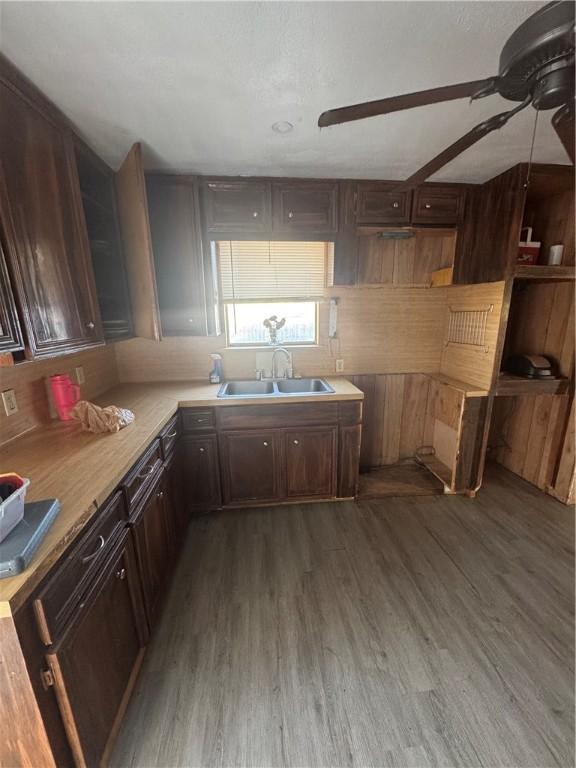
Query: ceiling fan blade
{"type": "Point", "coordinates": [475, 89]}
{"type": "Point", "coordinates": [563, 122]}
{"type": "Point", "coordinates": [466, 141]}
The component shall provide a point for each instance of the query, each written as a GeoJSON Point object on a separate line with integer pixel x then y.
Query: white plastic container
{"type": "Point", "coordinates": [12, 509]}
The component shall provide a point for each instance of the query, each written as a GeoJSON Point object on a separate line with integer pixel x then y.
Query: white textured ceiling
{"type": "Point", "coordinates": [201, 83]}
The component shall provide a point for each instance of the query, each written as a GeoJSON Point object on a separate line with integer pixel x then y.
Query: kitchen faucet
{"type": "Point", "coordinates": [274, 366]}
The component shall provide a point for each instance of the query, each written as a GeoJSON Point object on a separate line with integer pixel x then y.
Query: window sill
{"type": "Point", "coordinates": [271, 347]}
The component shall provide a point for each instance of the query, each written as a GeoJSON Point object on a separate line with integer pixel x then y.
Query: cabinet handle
{"type": "Point", "coordinates": [296, 442]}
{"type": "Point", "coordinates": [101, 542]}
{"type": "Point", "coordinates": [172, 434]}
{"type": "Point", "coordinates": [121, 574]}
{"type": "Point", "coordinates": [191, 320]}
{"type": "Point", "coordinates": [160, 495]}
{"type": "Point", "coordinates": [201, 421]}
{"type": "Point", "coordinates": [265, 443]}
{"type": "Point", "coordinates": [395, 205]}
{"type": "Point", "coordinates": [146, 473]}
{"type": "Point", "coordinates": [255, 214]}
{"type": "Point", "coordinates": [427, 205]}
{"type": "Point", "coordinates": [90, 325]}
{"type": "Point", "coordinates": [290, 215]}
{"type": "Point", "coordinates": [202, 450]}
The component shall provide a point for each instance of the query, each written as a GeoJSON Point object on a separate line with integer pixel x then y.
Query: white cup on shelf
{"type": "Point", "coordinates": [555, 253]}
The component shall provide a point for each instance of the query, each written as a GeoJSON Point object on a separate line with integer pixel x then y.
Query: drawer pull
{"type": "Point", "coordinates": [201, 421]}
{"type": "Point", "coordinates": [90, 325]}
{"type": "Point", "coordinates": [265, 443]}
{"type": "Point", "coordinates": [395, 205]}
{"type": "Point", "coordinates": [255, 214]}
{"type": "Point", "coordinates": [172, 434]}
{"type": "Point", "coordinates": [146, 473]}
{"type": "Point", "coordinates": [290, 215]}
{"type": "Point", "coordinates": [121, 574]}
{"type": "Point", "coordinates": [296, 442]}
{"type": "Point", "coordinates": [87, 558]}
{"type": "Point", "coordinates": [202, 450]}
{"type": "Point", "coordinates": [160, 495]}
{"type": "Point", "coordinates": [427, 205]}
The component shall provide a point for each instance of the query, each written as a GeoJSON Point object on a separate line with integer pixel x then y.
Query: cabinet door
{"type": "Point", "coordinates": [310, 207]}
{"type": "Point", "coordinates": [137, 245]}
{"type": "Point", "coordinates": [45, 239]}
{"type": "Point", "coordinates": [101, 217]}
{"type": "Point", "coordinates": [310, 462]}
{"type": "Point", "coordinates": [10, 335]}
{"type": "Point", "coordinates": [95, 663]}
{"type": "Point", "coordinates": [251, 466]}
{"type": "Point", "coordinates": [154, 540]}
{"type": "Point", "coordinates": [175, 502]}
{"type": "Point", "coordinates": [237, 206]}
{"type": "Point", "coordinates": [438, 205]}
{"type": "Point", "coordinates": [379, 203]}
{"type": "Point", "coordinates": [201, 472]}
{"type": "Point", "coordinates": [183, 275]}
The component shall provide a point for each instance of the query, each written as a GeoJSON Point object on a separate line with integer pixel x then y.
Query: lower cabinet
{"type": "Point", "coordinates": [310, 462]}
{"type": "Point", "coordinates": [250, 464]}
{"type": "Point", "coordinates": [201, 471]}
{"type": "Point", "coordinates": [155, 538]}
{"type": "Point", "coordinates": [95, 662]}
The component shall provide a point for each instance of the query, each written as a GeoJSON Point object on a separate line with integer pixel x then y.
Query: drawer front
{"type": "Point", "coordinates": [380, 204]}
{"type": "Point", "coordinates": [438, 205]}
{"type": "Point", "coordinates": [267, 416]}
{"type": "Point", "coordinates": [61, 595]}
{"type": "Point", "coordinates": [169, 437]}
{"type": "Point", "coordinates": [237, 206]}
{"type": "Point", "coordinates": [143, 474]}
{"type": "Point", "coordinates": [305, 208]}
{"type": "Point", "coordinates": [198, 419]}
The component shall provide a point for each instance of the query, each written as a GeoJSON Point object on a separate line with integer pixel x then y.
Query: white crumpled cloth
{"type": "Point", "coordinates": [96, 419]}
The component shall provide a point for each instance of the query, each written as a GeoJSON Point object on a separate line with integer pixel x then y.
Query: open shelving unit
{"type": "Point", "coordinates": [508, 385]}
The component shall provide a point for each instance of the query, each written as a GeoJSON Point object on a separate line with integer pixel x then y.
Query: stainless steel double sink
{"type": "Point", "coordinates": [275, 388]}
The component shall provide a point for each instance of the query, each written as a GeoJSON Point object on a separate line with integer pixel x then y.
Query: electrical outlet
{"type": "Point", "coordinates": [79, 372]}
{"type": "Point", "coordinates": [9, 402]}
{"type": "Point", "coordinates": [339, 365]}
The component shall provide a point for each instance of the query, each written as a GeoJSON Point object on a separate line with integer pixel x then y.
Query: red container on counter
{"type": "Point", "coordinates": [65, 395]}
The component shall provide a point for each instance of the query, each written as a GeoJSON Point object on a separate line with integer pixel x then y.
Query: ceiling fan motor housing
{"type": "Point", "coordinates": [538, 58]}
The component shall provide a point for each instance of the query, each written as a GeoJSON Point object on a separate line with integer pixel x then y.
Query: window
{"type": "Point", "coordinates": [260, 280]}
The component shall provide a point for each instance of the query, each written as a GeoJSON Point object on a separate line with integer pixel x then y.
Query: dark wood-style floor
{"type": "Point", "coordinates": [432, 631]}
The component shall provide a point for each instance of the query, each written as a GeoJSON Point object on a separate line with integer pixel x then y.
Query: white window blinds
{"type": "Point", "coordinates": [263, 270]}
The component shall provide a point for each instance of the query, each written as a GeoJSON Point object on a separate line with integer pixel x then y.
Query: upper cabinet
{"type": "Point", "coordinates": [378, 203]}
{"type": "Point", "coordinates": [438, 204]}
{"type": "Point", "coordinates": [10, 335]}
{"type": "Point", "coordinates": [305, 207]}
{"type": "Point", "coordinates": [183, 270]}
{"type": "Point", "coordinates": [237, 206]}
{"type": "Point", "coordinates": [45, 238]}
{"type": "Point", "coordinates": [100, 213]}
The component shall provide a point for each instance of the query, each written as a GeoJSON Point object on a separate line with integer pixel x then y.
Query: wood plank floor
{"type": "Point", "coordinates": [431, 631]}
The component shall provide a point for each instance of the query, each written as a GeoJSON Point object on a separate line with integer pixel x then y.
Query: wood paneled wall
{"type": "Point", "coordinates": [28, 381]}
{"type": "Point", "coordinates": [404, 262]}
{"type": "Point", "coordinates": [473, 365]}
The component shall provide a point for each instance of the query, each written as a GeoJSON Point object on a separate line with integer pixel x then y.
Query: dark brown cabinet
{"type": "Point", "coordinates": [201, 471]}
{"type": "Point", "coordinates": [237, 206]}
{"type": "Point", "coordinates": [183, 272]}
{"type": "Point", "coordinates": [154, 533]}
{"type": "Point", "coordinates": [310, 462]}
{"type": "Point", "coordinates": [251, 466]}
{"type": "Point", "coordinates": [10, 334]}
{"type": "Point", "coordinates": [93, 665]}
{"type": "Point", "coordinates": [101, 218]}
{"type": "Point", "coordinates": [305, 207]}
{"type": "Point", "coordinates": [177, 508]}
{"type": "Point", "coordinates": [441, 204]}
{"type": "Point", "coordinates": [45, 239]}
{"type": "Point", "coordinates": [379, 203]}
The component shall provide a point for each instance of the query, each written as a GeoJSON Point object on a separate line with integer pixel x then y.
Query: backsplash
{"type": "Point", "coordinates": [380, 330]}
{"type": "Point", "coordinates": [27, 380]}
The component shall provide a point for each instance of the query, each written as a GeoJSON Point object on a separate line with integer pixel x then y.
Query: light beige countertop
{"type": "Point", "coordinates": [82, 469]}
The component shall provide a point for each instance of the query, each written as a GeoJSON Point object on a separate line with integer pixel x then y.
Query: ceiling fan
{"type": "Point", "coordinates": [536, 67]}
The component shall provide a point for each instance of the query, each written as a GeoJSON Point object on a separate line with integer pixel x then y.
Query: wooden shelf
{"type": "Point", "coordinates": [509, 385]}
{"type": "Point", "coordinates": [434, 465]}
{"type": "Point", "coordinates": [543, 273]}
